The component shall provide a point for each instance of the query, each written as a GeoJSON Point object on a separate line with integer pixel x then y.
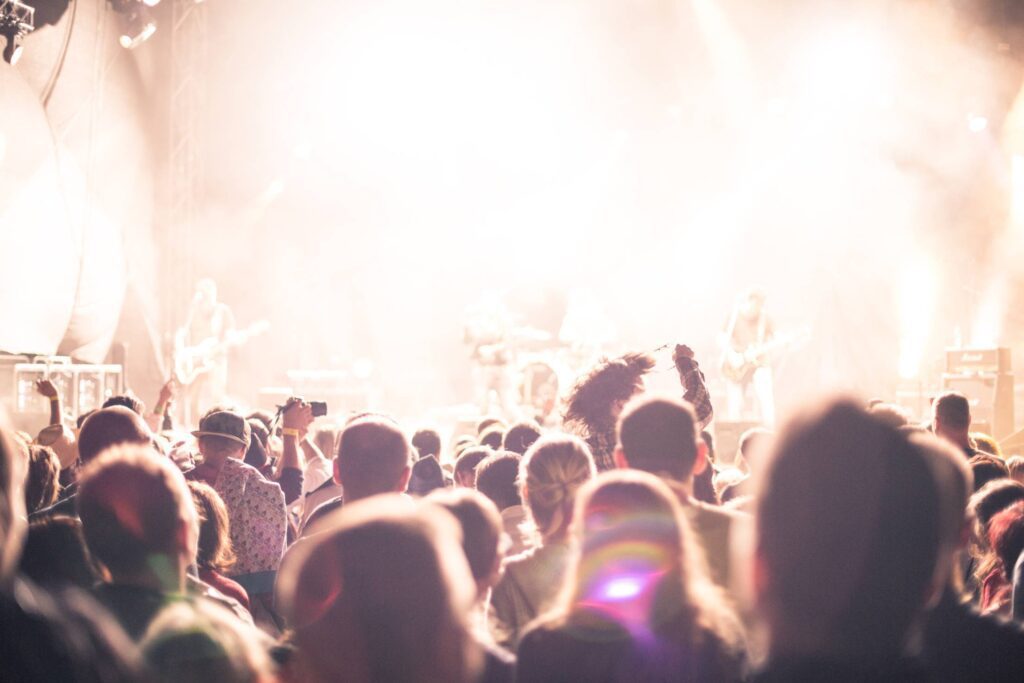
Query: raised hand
{"type": "Point", "coordinates": [46, 388]}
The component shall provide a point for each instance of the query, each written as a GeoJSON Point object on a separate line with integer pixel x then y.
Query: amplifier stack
{"type": "Point", "coordinates": [985, 377]}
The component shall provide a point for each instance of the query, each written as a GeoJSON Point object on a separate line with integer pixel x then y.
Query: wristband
{"type": "Point", "coordinates": [290, 432]}
{"type": "Point", "coordinates": [54, 399]}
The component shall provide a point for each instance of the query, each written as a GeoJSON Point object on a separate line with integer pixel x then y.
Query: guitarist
{"type": "Point", "coordinates": [744, 366]}
{"type": "Point", "coordinates": [210, 323]}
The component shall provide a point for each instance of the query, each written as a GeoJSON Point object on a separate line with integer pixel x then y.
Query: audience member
{"type": "Point", "coordinates": [493, 438]}
{"type": "Point", "coordinates": [961, 645]}
{"type": "Point", "coordinates": [49, 635]}
{"type": "Point", "coordinates": [496, 478]}
{"type": "Point", "coordinates": [703, 483]}
{"type": "Point", "coordinates": [487, 423]}
{"type": "Point", "coordinates": [892, 414]}
{"type": "Point", "coordinates": [55, 554]}
{"type": "Point", "coordinates": [214, 554]}
{"type": "Point", "coordinates": [951, 420]}
{"type": "Point", "coordinates": [467, 463]}
{"type": "Point", "coordinates": [42, 485]}
{"type": "Point", "coordinates": [1006, 538]}
{"type": "Point", "coordinates": [425, 476]}
{"type": "Point", "coordinates": [103, 429]}
{"type": "Point", "coordinates": [993, 498]}
{"type": "Point", "coordinates": [482, 544]}
{"type": "Point", "coordinates": [373, 457]}
{"type": "Point", "coordinates": [550, 474]}
{"type": "Point", "coordinates": [987, 468]}
{"type": "Point", "coordinates": [140, 523]}
{"type": "Point", "coordinates": [1015, 466]}
{"type": "Point", "coordinates": [597, 399]}
{"type": "Point", "coordinates": [637, 603]}
{"type": "Point", "coordinates": [427, 442]}
{"type": "Point", "coordinates": [204, 643]}
{"type": "Point", "coordinates": [256, 507]}
{"type": "Point", "coordinates": [383, 593]}
{"type": "Point", "coordinates": [986, 444]}
{"type": "Point", "coordinates": [660, 436]}
{"type": "Point", "coordinates": [847, 548]}
{"type": "Point", "coordinates": [521, 436]}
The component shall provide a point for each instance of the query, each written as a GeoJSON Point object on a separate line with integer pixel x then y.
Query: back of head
{"type": "Point", "coordinates": [1006, 536]}
{"type": "Point", "coordinates": [849, 534]}
{"type": "Point", "coordinates": [132, 504]}
{"type": "Point", "coordinates": [592, 400]}
{"type": "Point", "coordinates": [492, 438]}
{"type": "Point", "coordinates": [659, 435]}
{"type": "Point", "coordinates": [1015, 465]}
{"type": "Point", "coordinates": [487, 423]}
{"type": "Point", "coordinates": [496, 478]}
{"type": "Point", "coordinates": [987, 468]}
{"type": "Point", "coordinates": [986, 444]}
{"type": "Point", "coordinates": [42, 485]}
{"type": "Point", "coordinates": [110, 427]}
{"type": "Point", "coordinates": [481, 527]}
{"type": "Point", "coordinates": [202, 642]}
{"type": "Point", "coordinates": [754, 443]}
{"type": "Point", "coordinates": [373, 457]}
{"type": "Point", "coordinates": [126, 401]}
{"type": "Point", "coordinates": [521, 436]}
{"type": "Point", "coordinates": [551, 473]}
{"type": "Point", "coordinates": [953, 411]}
{"type": "Point", "coordinates": [992, 498]}
{"type": "Point", "coordinates": [214, 549]}
{"type": "Point", "coordinates": [426, 476]}
{"type": "Point", "coordinates": [55, 554]}
{"type": "Point", "coordinates": [638, 565]}
{"type": "Point", "coordinates": [326, 439]}
{"type": "Point", "coordinates": [383, 595]}
{"type": "Point", "coordinates": [465, 466]}
{"type": "Point", "coordinates": [891, 414]}
{"type": "Point", "coordinates": [427, 442]}
{"type": "Point", "coordinates": [954, 480]}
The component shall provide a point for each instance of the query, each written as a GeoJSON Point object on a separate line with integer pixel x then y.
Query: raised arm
{"type": "Point", "coordinates": [694, 390]}
{"type": "Point", "coordinates": [163, 402]}
{"type": "Point", "coordinates": [47, 389]}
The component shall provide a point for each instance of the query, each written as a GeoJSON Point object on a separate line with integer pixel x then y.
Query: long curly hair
{"type": "Point", "coordinates": [590, 402]}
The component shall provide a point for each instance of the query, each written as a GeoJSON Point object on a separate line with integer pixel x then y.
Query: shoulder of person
{"type": "Point", "coordinates": [716, 514]}
{"type": "Point", "coordinates": [204, 591]}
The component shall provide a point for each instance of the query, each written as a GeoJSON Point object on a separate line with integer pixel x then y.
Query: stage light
{"type": "Point", "coordinates": [17, 20]}
{"type": "Point", "coordinates": [976, 123]}
{"type": "Point", "coordinates": [139, 24]}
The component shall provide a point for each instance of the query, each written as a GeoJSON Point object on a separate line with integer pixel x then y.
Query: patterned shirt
{"type": "Point", "coordinates": [259, 519]}
{"type": "Point", "coordinates": [695, 392]}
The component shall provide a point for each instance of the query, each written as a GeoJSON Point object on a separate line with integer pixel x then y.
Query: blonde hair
{"type": "Point", "coordinates": [688, 598]}
{"type": "Point", "coordinates": [552, 471]}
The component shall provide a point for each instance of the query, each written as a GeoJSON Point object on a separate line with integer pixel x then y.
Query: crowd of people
{"type": "Point", "coordinates": [852, 544]}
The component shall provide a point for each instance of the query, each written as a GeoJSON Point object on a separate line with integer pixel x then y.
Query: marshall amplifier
{"type": "Point", "coordinates": [978, 361]}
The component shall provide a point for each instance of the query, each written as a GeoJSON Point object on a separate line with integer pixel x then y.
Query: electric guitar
{"type": "Point", "coordinates": [192, 362]}
{"type": "Point", "coordinates": [739, 366]}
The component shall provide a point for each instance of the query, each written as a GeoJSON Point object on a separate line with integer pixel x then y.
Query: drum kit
{"type": "Point", "coordinates": [540, 367]}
